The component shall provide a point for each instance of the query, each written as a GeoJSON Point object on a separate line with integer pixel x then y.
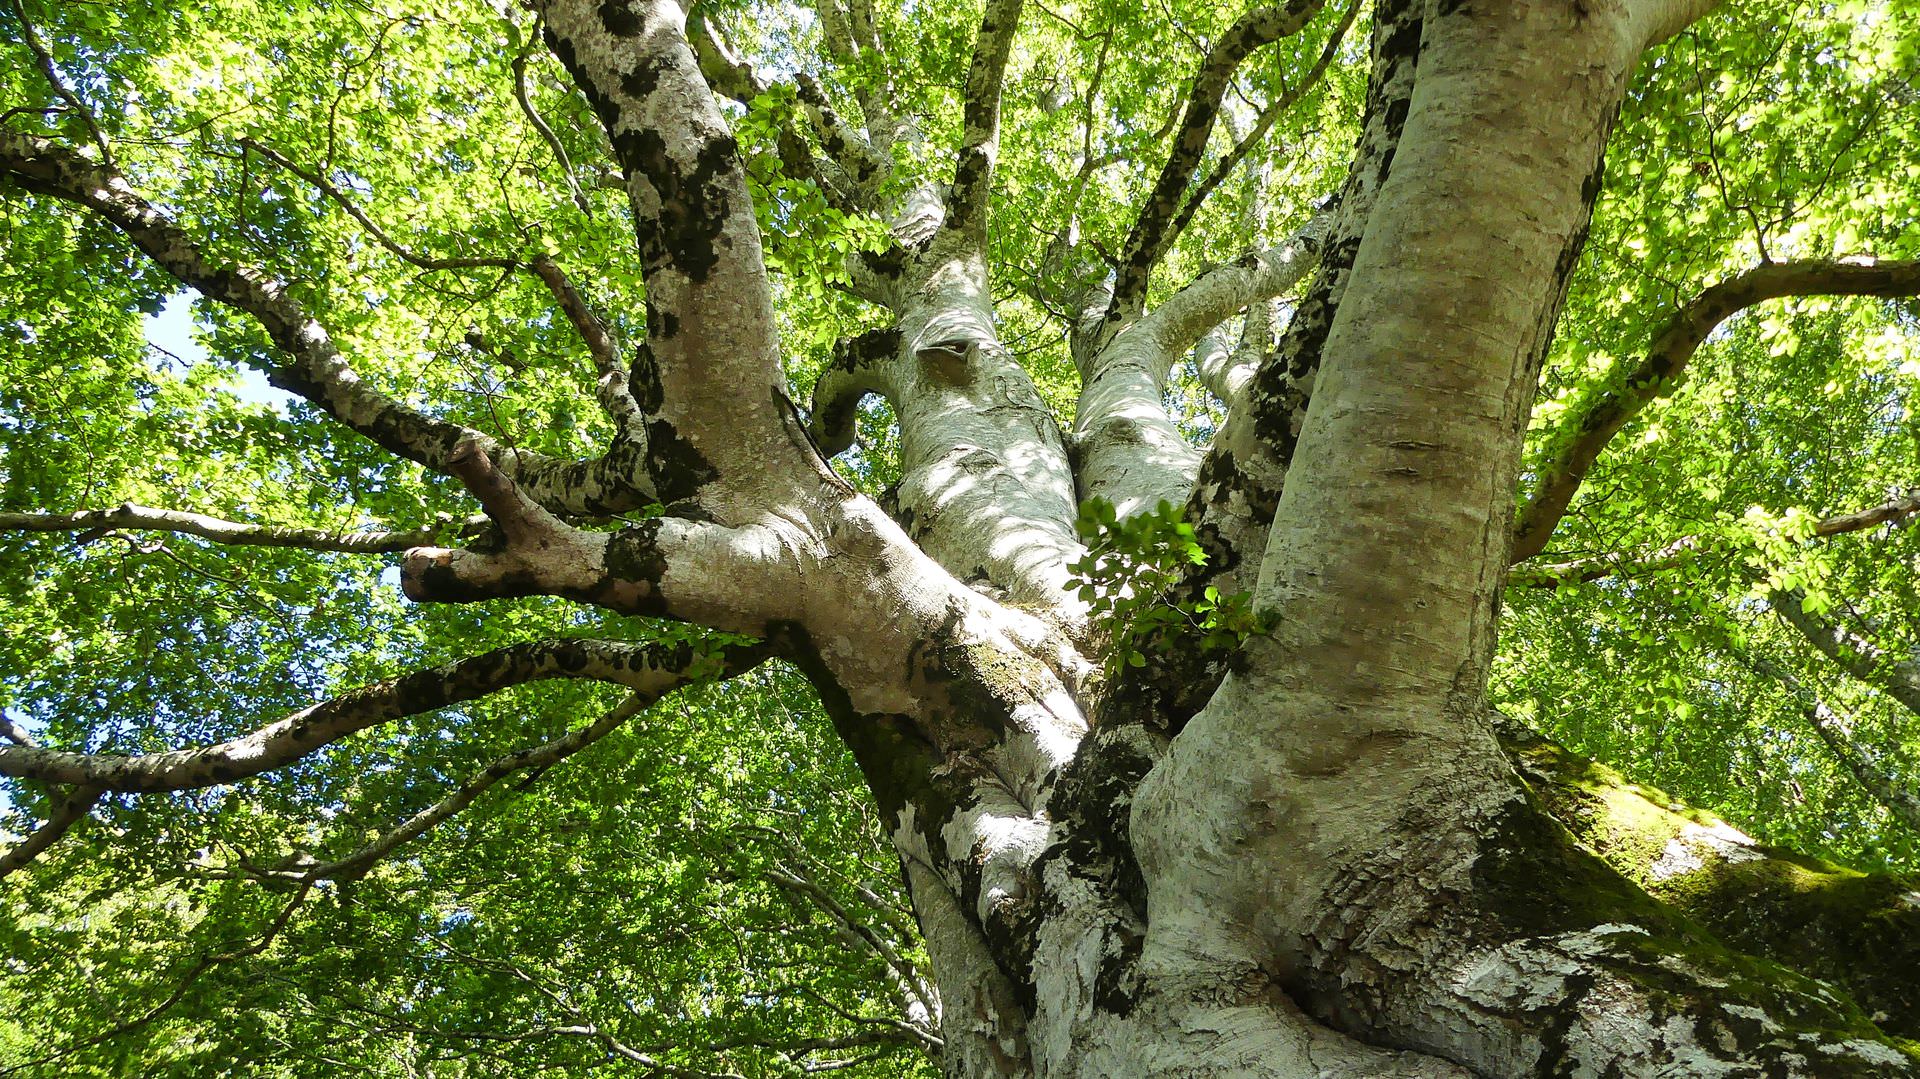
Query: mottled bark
{"type": "Point", "coordinates": [1333, 868]}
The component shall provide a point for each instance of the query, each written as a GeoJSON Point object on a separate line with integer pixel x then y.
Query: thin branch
{"type": "Point", "coordinates": [1151, 236]}
{"type": "Point", "coordinates": [800, 882]}
{"type": "Point", "coordinates": [1860, 658]}
{"type": "Point", "coordinates": [15, 733]}
{"type": "Point", "coordinates": [179, 993]}
{"type": "Point", "coordinates": [379, 234]}
{"type": "Point", "coordinates": [1659, 373]}
{"type": "Point", "coordinates": [534, 759]}
{"type": "Point", "coordinates": [852, 157]}
{"type": "Point", "coordinates": [1268, 116]}
{"type": "Point", "coordinates": [127, 515]}
{"type": "Point", "coordinates": [610, 383]}
{"type": "Point", "coordinates": [521, 94]}
{"type": "Point", "coordinates": [60, 88]}
{"type": "Point", "coordinates": [69, 807]}
{"type": "Point", "coordinates": [643, 667]}
{"type": "Point", "coordinates": [1686, 548]}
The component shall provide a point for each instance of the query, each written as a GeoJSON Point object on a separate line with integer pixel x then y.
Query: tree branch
{"type": "Point", "coordinates": [980, 126]}
{"type": "Point", "coordinates": [709, 374]}
{"type": "Point", "coordinates": [127, 515]}
{"type": "Point", "coordinates": [1875, 780]}
{"type": "Point", "coordinates": [520, 93]}
{"type": "Point", "coordinates": [1599, 567]}
{"type": "Point", "coordinates": [69, 807]}
{"type": "Point", "coordinates": [315, 368]}
{"type": "Point", "coordinates": [643, 667]}
{"type": "Point", "coordinates": [1152, 231]}
{"type": "Point", "coordinates": [1659, 373]}
{"type": "Point", "coordinates": [59, 85]}
{"type": "Point", "coordinates": [193, 975]}
{"type": "Point", "coordinates": [730, 662]}
{"type": "Point", "coordinates": [1131, 453]}
{"type": "Point", "coordinates": [611, 383]}
{"type": "Point", "coordinates": [353, 210]}
{"type": "Point", "coordinates": [859, 367]}
{"type": "Point", "coordinates": [1268, 116]}
{"type": "Point", "coordinates": [1858, 657]}
{"type": "Point", "coordinates": [848, 151]}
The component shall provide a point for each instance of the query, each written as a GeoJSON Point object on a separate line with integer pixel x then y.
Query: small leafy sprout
{"type": "Point", "coordinates": [1129, 577]}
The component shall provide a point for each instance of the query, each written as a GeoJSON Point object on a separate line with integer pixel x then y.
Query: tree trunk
{"type": "Point", "coordinates": [1312, 856]}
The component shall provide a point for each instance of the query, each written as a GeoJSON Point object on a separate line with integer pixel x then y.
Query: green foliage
{"type": "Point", "coordinates": [1130, 579]}
{"type": "Point", "coordinates": [634, 880]}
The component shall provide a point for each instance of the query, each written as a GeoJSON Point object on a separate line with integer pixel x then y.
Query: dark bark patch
{"type": "Point", "coordinates": [643, 380]}
{"type": "Point", "coordinates": [633, 554]}
{"type": "Point", "coordinates": [1093, 802]}
{"type": "Point", "coordinates": [864, 349]}
{"type": "Point", "coordinates": [967, 178]}
{"type": "Point", "coordinates": [619, 18]}
{"type": "Point", "coordinates": [1116, 985]}
{"type": "Point", "coordinates": [643, 80]}
{"type": "Point", "coordinates": [694, 202]}
{"type": "Point", "coordinates": [676, 466]}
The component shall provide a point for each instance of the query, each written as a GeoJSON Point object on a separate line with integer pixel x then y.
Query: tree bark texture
{"type": "Point", "coordinates": [1315, 858]}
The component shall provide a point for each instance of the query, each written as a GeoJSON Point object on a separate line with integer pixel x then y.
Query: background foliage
{"type": "Point", "coordinates": [629, 898]}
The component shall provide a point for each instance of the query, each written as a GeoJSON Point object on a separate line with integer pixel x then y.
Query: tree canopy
{"type": "Point", "coordinates": [602, 842]}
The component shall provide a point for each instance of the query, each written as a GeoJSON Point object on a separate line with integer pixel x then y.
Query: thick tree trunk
{"type": "Point", "coordinates": [1323, 863]}
{"type": "Point", "coordinates": [1338, 830]}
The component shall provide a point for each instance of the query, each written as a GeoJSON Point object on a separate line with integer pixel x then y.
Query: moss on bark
{"type": "Point", "coordinates": [1858, 932]}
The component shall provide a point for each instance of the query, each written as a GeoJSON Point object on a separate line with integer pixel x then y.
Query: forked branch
{"type": "Point", "coordinates": [313, 366]}
{"type": "Point", "coordinates": [642, 667]}
{"type": "Point", "coordinates": [1661, 370]}
{"type": "Point", "coordinates": [1153, 230]}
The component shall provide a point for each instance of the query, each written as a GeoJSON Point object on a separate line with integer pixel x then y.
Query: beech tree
{"type": "Point", "coordinates": [1011, 505]}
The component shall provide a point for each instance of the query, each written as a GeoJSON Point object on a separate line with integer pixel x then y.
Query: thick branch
{"type": "Point", "coordinates": [314, 367]}
{"type": "Point", "coordinates": [146, 518]}
{"type": "Point", "coordinates": [709, 374]}
{"type": "Point", "coordinates": [646, 668]}
{"type": "Point", "coordinates": [1244, 472]}
{"type": "Point", "coordinates": [980, 133]}
{"type": "Point", "coordinates": [1659, 373]}
{"type": "Point", "coordinates": [1858, 931]}
{"type": "Point", "coordinates": [1131, 453]}
{"type": "Point", "coordinates": [861, 365]}
{"type": "Point", "coordinates": [1153, 230]}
